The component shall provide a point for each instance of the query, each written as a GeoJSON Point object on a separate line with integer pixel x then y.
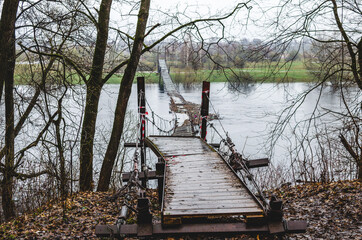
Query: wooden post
{"type": "Point", "coordinates": [160, 170]}
{"type": "Point", "coordinates": [165, 54]}
{"type": "Point", "coordinates": [141, 98]}
{"type": "Point", "coordinates": [144, 217]}
{"type": "Point", "coordinates": [204, 107]}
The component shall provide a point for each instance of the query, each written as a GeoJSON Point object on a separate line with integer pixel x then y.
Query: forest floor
{"type": "Point", "coordinates": [333, 211]}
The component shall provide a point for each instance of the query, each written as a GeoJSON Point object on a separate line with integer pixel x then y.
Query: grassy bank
{"type": "Point", "coordinates": [150, 77]}
{"type": "Point", "coordinates": [294, 72]}
{"type": "Point", "coordinates": [290, 72]}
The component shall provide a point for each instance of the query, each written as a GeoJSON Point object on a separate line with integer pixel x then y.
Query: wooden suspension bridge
{"type": "Point", "coordinates": [200, 186]}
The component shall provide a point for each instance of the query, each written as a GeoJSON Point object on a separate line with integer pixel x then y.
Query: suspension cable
{"type": "Point", "coordinates": [235, 155]}
{"type": "Point", "coordinates": [213, 108]}
{"type": "Point", "coordinates": [162, 121]}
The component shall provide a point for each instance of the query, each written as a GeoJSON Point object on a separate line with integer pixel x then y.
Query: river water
{"type": "Point", "coordinates": [248, 115]}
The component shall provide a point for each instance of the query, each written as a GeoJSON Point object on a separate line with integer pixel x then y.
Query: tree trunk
{"type": "Point", "coordinates": [1, 87]}
{"type": "Point", "coordinates": [94, 87]}
{"type": "Point", "coordinates": [7, 66]}
{"type": "Point", "coordinates": [359, 52]}
{"type": "Point", "coordinates": [360, 170]}
{"type": "Point", "coordinates": [87, 138]}
{"type": "Point", "coordinates": [349, 44]}
{"type": "Point", "coordinates": [123, 96]}
{"type": "Point", "coordinates": [354, 154]}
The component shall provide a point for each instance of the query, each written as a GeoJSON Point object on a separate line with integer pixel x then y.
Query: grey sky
{"type": "Point", "coordinates": [243, 25]}
{"type": "Point", "coordinates": [162, 11]}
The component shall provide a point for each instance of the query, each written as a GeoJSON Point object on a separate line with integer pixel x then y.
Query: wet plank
{"type": "Point", "coordinates": [234, 211]}
{"type": "Point", "coordinates": [195, 180]}
{"type": "Point", "coordinates": [199, 182]}
{"type": "Point", "coordinates": [244, 198]}
{"type": "Point", "coordinates": [207, 193]}
{"type": "Point", "coordinates": [200, 197]}
{"type": "Point", "coordinates": [175, 146]}
{"type": "Point", "coordinates": [169, 190]}
{"type": "Point", "coordinates": [204, 195]}
{"type": "Point", "coordinates": [200, 186]}
{"type": "Point", "coordinates": [210, 205]}
{"type": "Point", "coordinates": [230, 203]}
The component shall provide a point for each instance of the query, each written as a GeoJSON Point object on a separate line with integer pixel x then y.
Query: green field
{"type": "Point", "coordinates": [149, 77]}
{"type": "Point", "coordinates": [294, 72]}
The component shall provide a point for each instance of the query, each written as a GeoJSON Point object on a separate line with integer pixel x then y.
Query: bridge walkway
{"type": "Point", "coordinates": [186, 111]}
{"type": "Point", "coordinates": [199, 183]}
{"type": "Point", "coordinates": [196, 183]}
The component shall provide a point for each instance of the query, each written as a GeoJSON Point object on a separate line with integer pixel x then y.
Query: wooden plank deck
{"type": "Point", "coordinates": [198, 181]}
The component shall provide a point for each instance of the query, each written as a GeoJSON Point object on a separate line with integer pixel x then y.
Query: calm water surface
{"type": "Point", "coordinates": [247, 117]}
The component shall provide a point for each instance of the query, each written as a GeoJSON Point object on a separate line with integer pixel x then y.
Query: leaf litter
{"type": "Point", "coordinates": [333, 211]}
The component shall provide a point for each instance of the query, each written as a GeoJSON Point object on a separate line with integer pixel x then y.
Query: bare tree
{"type": "Point", "coordinates": [12, 169]}
{"type": "Point", "coordinates": [333, 27]}
{"type": "Point", "coordinates": [7, 66]}
{"type": "Point", "coordinates": [123, 96]}
{"type": "Point", "coordinates": [126, 84]}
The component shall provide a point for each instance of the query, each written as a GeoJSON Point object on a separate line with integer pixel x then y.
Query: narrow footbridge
{"type": "Point", "coordinates": [203, 188]}
{"type": "Point", "coordinates": [199, 183]}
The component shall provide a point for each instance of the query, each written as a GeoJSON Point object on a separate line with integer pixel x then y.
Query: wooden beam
{"type": "Point", "coordinates": [130, 145]}
{"type": "Point", "coordinates": [215, 145]}
{"type": "Point", "coordinates": [255, 163]}
{"type": "Point", "coordinates": [151, 175]}
{"type": "Point", "coordinates": [226, 229]}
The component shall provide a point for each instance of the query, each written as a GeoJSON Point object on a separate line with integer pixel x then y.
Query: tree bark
{"type": "Point", "coordinates": [352, 54]}
{"type": "Point", "coordinates": [123, 96]}
{"type": "Point", "coordinates": [87, 138]}
{"type": "Point", "coordinates": [354, 154]}
{"type": "Point", "coordinates": [7, 67]}
{"type": "Point", "coordinates": [94, 87]}
{"type": "Point", "coordinates": [359, 52]}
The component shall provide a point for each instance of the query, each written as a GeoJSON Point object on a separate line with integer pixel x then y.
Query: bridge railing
{"type": "Point", "coordinates": [226, 147]}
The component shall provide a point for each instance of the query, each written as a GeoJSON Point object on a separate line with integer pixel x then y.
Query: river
{"type": "Point", "coordinates": [248, 116]}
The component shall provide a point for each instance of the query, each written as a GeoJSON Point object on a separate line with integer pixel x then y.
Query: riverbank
{"type": "Point", "coordinates": [333, 211]}
{"type": "Point", "coordinates": [272, 73]}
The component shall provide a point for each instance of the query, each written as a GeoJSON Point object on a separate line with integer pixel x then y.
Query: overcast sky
{"type": "Point", "coordinates": [242, 25]}
{"type": "Point", "coordinates": [212, 4]}
{"type": "Point", "coordinates": [249, 26]}
{"type": "Point", "coordinates": [195, 9]}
